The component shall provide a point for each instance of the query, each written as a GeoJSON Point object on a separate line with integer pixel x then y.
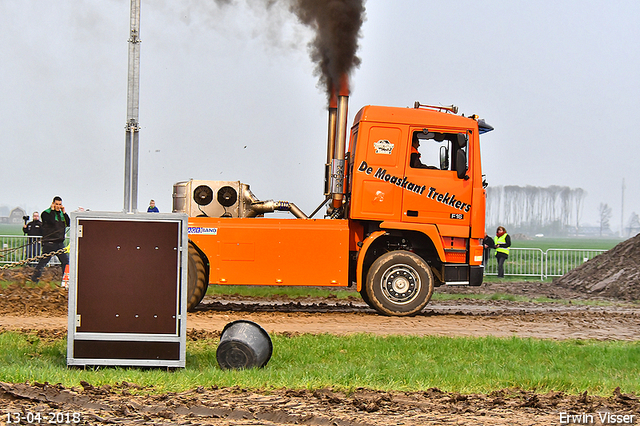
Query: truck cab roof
{"type": "Point", "coordinates": [413, 116]}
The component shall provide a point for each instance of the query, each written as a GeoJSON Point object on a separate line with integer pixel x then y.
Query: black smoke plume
{"type": "Point", "coordinates": [336, 24]}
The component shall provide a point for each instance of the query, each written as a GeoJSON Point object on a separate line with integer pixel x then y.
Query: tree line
{"type": "Point", "coordinates": [554, 209]}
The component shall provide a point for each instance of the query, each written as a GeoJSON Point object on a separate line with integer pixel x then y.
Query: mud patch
{"type": "Point", "coordinates": [43, 300]}
{"type": "Point", "coordinates": [21, 275]}
{"type": "Point", "coordinates": [44, 334]}
{"type": "Point", "coordinates": [127, 403]}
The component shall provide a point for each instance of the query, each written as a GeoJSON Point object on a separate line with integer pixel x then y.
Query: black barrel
{"type": "Point", "coordinates": [243, 344]}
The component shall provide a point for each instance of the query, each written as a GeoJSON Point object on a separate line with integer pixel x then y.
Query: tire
{"type": "Point", "coordinates": [365, 296]}
{"type": "Point", "coordinates": [399, 283]}
{"type": "Point", "coordinates": [197, 278]}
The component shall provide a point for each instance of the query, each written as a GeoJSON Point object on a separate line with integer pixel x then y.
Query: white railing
{"type": "Point", "coordinates": [560, 261]}
{"type": "Point", "coordinates": [526, 262]}
{"type": "Point", "coordinates": [533, 262]}
{"type": "Point", "coordinates": [16, 248]}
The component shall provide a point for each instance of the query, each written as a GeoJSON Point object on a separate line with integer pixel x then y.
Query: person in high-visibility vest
{"type": "Point", "coordinates": [503, 242]}
{"type": "Point", "coordinates": [414, 160]}
{"type": "Point", "coordinates": [415, 155]}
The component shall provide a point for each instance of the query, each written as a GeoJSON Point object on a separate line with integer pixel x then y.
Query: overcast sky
{"type": "Point", "coordinates": [228, 93]}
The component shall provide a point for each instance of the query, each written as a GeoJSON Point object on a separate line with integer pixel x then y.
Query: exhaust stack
{"type": "Point", "coordinates": [337, 163]}
{"type": "Point", "coordinates": [331, 141]}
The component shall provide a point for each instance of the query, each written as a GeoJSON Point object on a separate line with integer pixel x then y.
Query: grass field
{"type": "Point", "coordinates": [465, 365]}
{"type": "Point", "coordinates": [6, 229]}
{"type": "Point", "coordinates": [567, 243]}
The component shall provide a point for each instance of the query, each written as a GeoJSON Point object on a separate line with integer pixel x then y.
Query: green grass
{"type": "Point", "coordinates": [515, 278]}
{"type": "Point", "coordinates": [516, 298]}
{"type": "Point", "coordinates": [10, 229]}
{"type": "Point", "coordinates": [567, 243]}
{"type": "Point", "coordinates": [399, 363]}
{"type": "Point", "coordinates": [288, 291]}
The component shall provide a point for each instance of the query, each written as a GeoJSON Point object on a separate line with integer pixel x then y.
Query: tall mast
{"type": "Point", "coordinates": [132, 127]}
{"type": "Point", "coordinates": [622, 211]}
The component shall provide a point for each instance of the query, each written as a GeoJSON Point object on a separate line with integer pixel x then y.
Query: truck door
{"type": "Point", "coordinates": [377, 171]}
{"type": "Point", "coordinates": [438, 189]}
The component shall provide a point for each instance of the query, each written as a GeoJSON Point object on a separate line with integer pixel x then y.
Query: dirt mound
{"type": "Point", "coordinates": [128, 403]}
{"type": "Point", "coordinates": [45, 300]}
{"type": "Point", "coordinates": [613, 274]}
{"type": "Point", "coordinates": [23, 274]}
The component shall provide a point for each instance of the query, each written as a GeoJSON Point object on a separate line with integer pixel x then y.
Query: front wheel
{"type": "Point", "coordinates": [399, 283]}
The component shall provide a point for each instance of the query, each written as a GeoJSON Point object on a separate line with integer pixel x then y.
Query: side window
{"type": "Point", "coordinates": [437, 150]}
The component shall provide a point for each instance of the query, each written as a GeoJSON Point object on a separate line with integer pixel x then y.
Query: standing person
{"type": "Point", "coordinates": [488, 244]}
{"type": "Point", "coordinates": [33, 229]}
{"type": "Point", "coordinates": [152, 207]}
{"type": "Point", "coordinates": [54, 223]}
{"type": "Point", "coordinates": [503, 242]}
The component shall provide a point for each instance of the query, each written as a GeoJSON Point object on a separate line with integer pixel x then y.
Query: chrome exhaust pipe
{"type": "Point", "coordinates": [331, 142]}
{"type": "Point", "coordinates": [337, 164]}
{"type": "Point", "coordinates": [254, 207]}
{"type": "Point", "coordinates": [262, 207]}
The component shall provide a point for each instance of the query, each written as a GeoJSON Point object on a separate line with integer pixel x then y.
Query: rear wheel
{"type": "Point", "coordinates": [197, 278]}
{"type": "Point", "coordinates": [399, 283]}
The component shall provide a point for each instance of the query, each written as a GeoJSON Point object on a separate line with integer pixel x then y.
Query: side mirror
{"type": "Point", "coordinates": [461, 164]}
{"type": "Point", "coordinates": [444, 158]}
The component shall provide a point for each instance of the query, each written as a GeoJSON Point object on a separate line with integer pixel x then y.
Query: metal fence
{"type": "Point", "coordinates": [526, 262]}
{"type": "Point", "coordinates": [16, 248]}
{"type": "Point", "coordinates": [560, 261]}
{"type": "Point", "coordinates": [533, 262]}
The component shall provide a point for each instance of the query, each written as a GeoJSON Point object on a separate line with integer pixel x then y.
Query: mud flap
{"type": "Point", "coordinates": [476, 274]}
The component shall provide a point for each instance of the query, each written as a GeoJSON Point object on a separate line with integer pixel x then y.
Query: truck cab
{"type": "Point", "coordinates": [415, 184]}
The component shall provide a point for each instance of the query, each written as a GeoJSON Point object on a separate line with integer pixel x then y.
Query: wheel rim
{"type": "Point", "coordinates": [401, 284]}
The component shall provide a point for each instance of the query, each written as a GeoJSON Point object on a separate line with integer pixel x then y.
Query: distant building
{"type": "Point", "coordinates": [15, 217]}
{"type": "Point", "coordinates": [590, 231]}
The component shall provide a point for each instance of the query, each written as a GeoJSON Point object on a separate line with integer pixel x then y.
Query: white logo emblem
{"type": "Point", "coordinates": [383, 146]}
{"type": "Point", "coordinates": [202, 230]}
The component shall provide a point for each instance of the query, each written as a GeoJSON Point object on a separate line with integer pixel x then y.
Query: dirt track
{"type": "Point", "coordinates": [44, 311]}
{"type": "Point", "coordinates": [46, 308]}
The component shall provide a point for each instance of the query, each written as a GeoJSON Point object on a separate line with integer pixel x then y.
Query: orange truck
{"type": "Point", "coordinates": [405, 213]}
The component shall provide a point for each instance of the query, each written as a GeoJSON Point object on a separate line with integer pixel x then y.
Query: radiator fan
{"type": "Point", "coordinates": [203, 195]}
{"type": "Point", "coordinates": [227, 196]}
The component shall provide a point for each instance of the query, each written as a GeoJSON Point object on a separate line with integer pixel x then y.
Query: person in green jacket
{"type": "Point", "coordinates": [503, 242]}
{"type": "Point", "coordinates": [54, 224]}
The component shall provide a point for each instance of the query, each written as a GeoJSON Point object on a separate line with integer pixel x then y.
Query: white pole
{"type": "Point", "coordinates": [622, 211]}
{"type": "Point", "coordinates": [132, 127]}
